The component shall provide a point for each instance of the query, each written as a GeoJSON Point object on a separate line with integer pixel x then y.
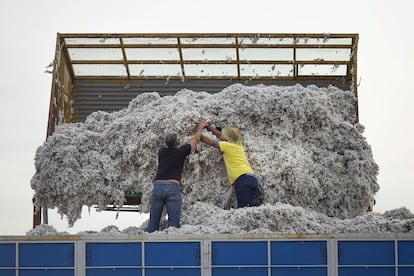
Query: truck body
{"type": "Point", "coordinates": [209, 255]}
{"type": "Point", "coordinates": [105, 71]}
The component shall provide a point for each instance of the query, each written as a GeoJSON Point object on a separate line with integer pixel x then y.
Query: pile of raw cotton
{"type": "Point", "coordinates": [203, 218]}
{"type": "Point", "coordinates": [303, 143]}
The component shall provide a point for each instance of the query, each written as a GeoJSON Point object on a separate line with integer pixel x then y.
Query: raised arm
{"type": "Point", "coordinates": [208, 140]}
{"type": "Point", "coordinates": [215, 131]}
{"type": "Point", "coordinates": [197, 135]}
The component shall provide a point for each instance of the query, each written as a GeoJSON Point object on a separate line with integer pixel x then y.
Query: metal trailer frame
{"type": "Point", "coordinates": [105, 72]}
{"type": "Point", "coordinates": [135, 63]}
{"type": "Point", "coordinates": [385, 253]}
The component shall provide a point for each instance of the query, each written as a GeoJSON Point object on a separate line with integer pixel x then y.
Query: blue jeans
{"type": "Point", "coordinates": [246, 187]}
{"type": "Point", "coordinates": [166, 194]}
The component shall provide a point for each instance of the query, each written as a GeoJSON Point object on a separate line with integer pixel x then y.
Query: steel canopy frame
{"type": "Point", "coordinates": [122, 52]}
{"type": "Point", "coordinates": [180, 59]}
{"type": "Point", "coordinates": [188, 58]}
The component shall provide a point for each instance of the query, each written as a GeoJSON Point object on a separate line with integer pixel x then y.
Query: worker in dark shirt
{"type": "Point", "coordinates": [166, 187]}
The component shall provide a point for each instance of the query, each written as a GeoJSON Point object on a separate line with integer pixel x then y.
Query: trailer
{"type": "Point", "coordinates": [209, 255]}
{"type": "Point", "coordinates": [105, 72]}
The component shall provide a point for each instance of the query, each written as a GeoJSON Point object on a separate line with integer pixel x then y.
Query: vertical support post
{"type": "Point", "coordinates": [180, 52]}
{"type": "Point", "coordinates": [332, 257]}
{"type": "Point", "coordinates": [37, 215]}
{"type": "Point", "coordinates": [237, 56]}
{"type": "Point", "coordinates": [17, 259]}
{"type": "Point", "coordinates": [143, 258]}
{"type": "Point", "coordinates": [396, 257]}
{"type": "Point", "coordinates": [80, 258]}
{"type": "Point", "coordinates": [295, 66]}
{"type": "Point", "coordinates": [205, 258]}
{"type": "Point", "coordinates": [354, 72]}
{"type": "Point", "coordinates": [45, 216]}
{"type": "Point", "coordinates": [269, 258]}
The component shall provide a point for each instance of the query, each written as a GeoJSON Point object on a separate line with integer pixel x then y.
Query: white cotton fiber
{"type": "Point", "coordinates": [303, 143]}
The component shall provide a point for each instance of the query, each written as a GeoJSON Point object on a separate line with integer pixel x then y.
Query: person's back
{"type": "Point", "coordinates": [171, 162]}
{"type": "Point", "coordinates": [235, 160]}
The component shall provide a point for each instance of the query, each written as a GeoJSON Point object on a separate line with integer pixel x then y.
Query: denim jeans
{"type": "Point", "coordinates": [166, 194]}
{"type": "Point", "coordinates": [246, 187]}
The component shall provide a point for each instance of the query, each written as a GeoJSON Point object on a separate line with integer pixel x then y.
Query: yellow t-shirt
{"type": "Point", "coordinates": [235, 160]}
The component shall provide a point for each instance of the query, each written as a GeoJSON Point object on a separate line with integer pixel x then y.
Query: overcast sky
{"type": "Point", "coordinates": [28, 35]}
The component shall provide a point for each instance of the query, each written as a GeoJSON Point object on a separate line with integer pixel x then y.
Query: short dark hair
{"type": "Point", "coordinates": [171, 140]}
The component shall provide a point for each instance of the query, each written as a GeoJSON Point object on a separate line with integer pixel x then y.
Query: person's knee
{"type": "Point", "coordinates": [174, 213]}
{"type": "Point", "coordinates": [174, 219]}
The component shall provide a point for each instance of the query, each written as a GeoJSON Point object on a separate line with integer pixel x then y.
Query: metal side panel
{"type": "Point", "coordinates": [105, 95]}
{"type": "Point", "coordinates": [209, 255]}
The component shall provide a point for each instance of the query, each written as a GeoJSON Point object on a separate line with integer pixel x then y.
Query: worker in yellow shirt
{"type": "Point", "coordinates": [239, 172]}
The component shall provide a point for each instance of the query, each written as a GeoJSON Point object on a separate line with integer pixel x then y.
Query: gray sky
{"type": "Point", "coordinates": [28, 35]}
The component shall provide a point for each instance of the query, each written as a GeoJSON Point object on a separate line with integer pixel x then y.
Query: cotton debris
{"type": "Point", "coordinates": [304, 144]}
{"type": "Point", "coordinates": [205, 218]}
